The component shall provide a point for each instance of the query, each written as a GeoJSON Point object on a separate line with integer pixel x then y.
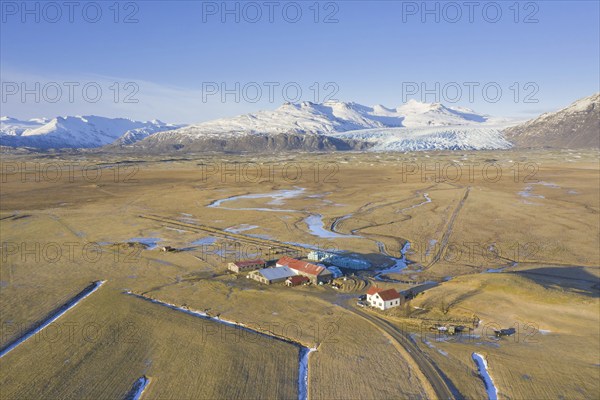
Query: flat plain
{"type": "Point", "coordinates": [504, 238]}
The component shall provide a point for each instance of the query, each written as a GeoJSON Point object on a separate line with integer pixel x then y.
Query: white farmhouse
{"type": "Point", "coordinates": [383, 298]}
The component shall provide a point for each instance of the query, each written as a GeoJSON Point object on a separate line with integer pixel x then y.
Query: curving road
{"type": "Point", "coordinates": [443, 387]}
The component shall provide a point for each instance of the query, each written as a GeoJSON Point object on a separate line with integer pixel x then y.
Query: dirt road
{"type": "Point", "coordinates": [443, 387]}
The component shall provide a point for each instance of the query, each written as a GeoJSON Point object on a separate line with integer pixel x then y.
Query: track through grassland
{"type": "Point", "coordinates": [448, 232]}
{"type": "Point", "coordinates": [441, 385]}
{"type": "Point", "coordinates": [268, 243]}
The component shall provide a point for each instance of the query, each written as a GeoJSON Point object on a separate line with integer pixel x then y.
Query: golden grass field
{"type": "Point", "coordinates": [548, 247]}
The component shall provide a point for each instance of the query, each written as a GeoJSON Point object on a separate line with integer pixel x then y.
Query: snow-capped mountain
{"type": "Point", "coordinates": [75, 132]}
{"type": "Point", "coordinates": [334, 116]}
{"type": "Point", "coordinates": [310, 126]}
{"type": "Point", "coordinates": [575, 126]}
{"type": "Point", "coordinates": [417, 114]}
{"type": "Point", "coordinates": [306, 126]}
{"type": "Point", "coordinates": [15, 127]}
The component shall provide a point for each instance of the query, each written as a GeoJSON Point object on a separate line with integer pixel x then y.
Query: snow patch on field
{"type": "Point", "coordinates": [303, 372]}
{"type": "Point", "coordinates": [487, 379]}
{"type": "Point", "coordinates": [431, 346]}
{"type": "Point", "coordinates": [177, 230]}
{"type": "Point", "coordinates": [304, 351]}
{"type": "Point", "coordinates": [61, 311]}
{"type": "Point", "coordinates": [138, 388]}
{"type": "Point", "coordinates": [548, 184]}
{"type": "Point", "coordinates": [150, 243]}
{"type": "Point", "coordinates": [495, 270]}
{"type": "Point", "coordinates": [206, 241]}
{"type": "Point", "coordinates": [527, 193]}
{"type": "Point", "coordinates": [241, 228]}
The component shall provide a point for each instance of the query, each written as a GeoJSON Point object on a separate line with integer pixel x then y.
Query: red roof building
{"type": "Point", "coordinates": [314, 272]}
{"type": "Point", "coordinates": [246, 265]}
{"type": "Point", "coordinates": [383, 298]}
{"type": "Point", "coordinates": [296, 280]}
{"type": "Point", "coordinates": [389, 294]}
{"type": "Point", "coordinates": [373, 290]}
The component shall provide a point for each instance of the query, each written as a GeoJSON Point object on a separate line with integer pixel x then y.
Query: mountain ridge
{"type": "Point", "coordinates": [574, 126]}
{"type": "Point", "coordinates": [322, 122]}
{"type": "Point", "coordinates": [88, 131]}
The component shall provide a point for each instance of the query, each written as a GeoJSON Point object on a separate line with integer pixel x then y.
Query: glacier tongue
{"type": "Point", "coordinates": [430, 138]}
{"type": "Point", "coordinates": [303, 126]}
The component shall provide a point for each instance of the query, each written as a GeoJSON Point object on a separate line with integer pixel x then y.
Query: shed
{"type": "Point", "coordinates": [272, 275]}
{"type": "Point", "coordinates": [246, 265]}
{"type": "Point", "coordinates": [296, 280]}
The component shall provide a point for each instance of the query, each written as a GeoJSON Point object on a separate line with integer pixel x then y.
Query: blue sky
{"type": "Point", "coordinates": [378, 52]}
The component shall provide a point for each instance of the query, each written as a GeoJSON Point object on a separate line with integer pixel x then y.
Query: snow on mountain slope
{"type": "Point", "coordinates": [295, 118]}
{"type": "Point", "coordinates": [412, 126]}
{"type": "Point", "coordinates": [320, 119]}
{"type": "Point", "coordinates": [419, 114]}
{"type": "Point", "coordinates": [305, 126]}
{"type": "Point", "coordinates": [466, 137]}
{"type": "Point", "coordinates": [137, 134]}
{"type": "Point", "coordinates": [75, 132]}
{"type": "Point", "coordinates": [15, 127]}
{"type": "Point", "coordinates": [575, 126]}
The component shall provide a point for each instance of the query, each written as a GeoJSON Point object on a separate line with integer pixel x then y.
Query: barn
{"type": "Point", "coordinates": [315, 273]}
{"type": "Point", "coordinates": [296, 280]}
{"type": "Point", "coordinates": [271, 275]}
{"type": "Point", "coordinates": [246, 265]}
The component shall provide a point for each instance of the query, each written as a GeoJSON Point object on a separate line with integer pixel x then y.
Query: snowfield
{"type": "Point", "coordinates": [76, 132]}
{"type": "Point", "coordinates": [333, 116]}
{"type": "Point", "coordinates": [482, 366]}
{"type": "Point", "coordinates": [15, 127]}
{"type": "Point", "coordinates": [430, 138]}
{"type": "Point", "coordinates": [335, 125]}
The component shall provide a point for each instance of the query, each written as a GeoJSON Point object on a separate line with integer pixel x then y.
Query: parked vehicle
{"type": "Point", "coordinates": [505, 332]}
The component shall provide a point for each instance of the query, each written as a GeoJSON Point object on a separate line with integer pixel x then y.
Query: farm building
{"type": "Point", "coordinates": [315, 273]}
{"type": "Point", "coordinates": [335, 271]}
{"type": "Point", "coordinates": [296, 280]}
{"type": "Point", "coordinates": [272, 275]}
{"type": "Point", "coordinates": [246, 265]}
{"type": "Point", "coordinates": [337, 260]}
{"type": "Point", "coordinates": [383, 298]}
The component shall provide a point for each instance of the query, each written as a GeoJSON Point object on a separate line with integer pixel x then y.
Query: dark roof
{"type": "Point", "coordinates": [246, 263]}
{"type": "Point", "coordinates": [298, 279]}
{"type": "Point", "coordinates": [385, 294]}
{"type": "Point", "coordinates": [389, 294]}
